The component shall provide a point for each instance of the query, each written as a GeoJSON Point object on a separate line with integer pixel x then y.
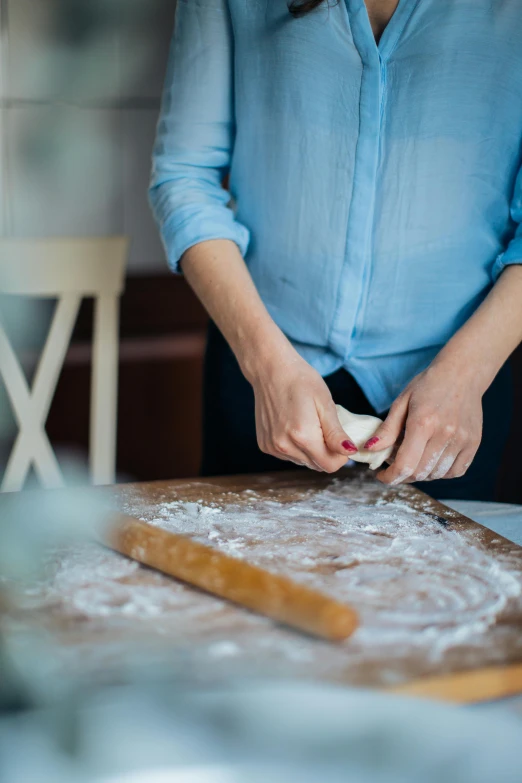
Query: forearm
{"type": "Point", "coordinates": [489, 337]}
{"type": "Point", "coordinates": [219, 276]}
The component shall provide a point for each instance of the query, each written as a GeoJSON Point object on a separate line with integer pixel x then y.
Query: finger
{"type": "Point", "coordinates": [395, 448]}
{"type": "Point", "coordinates": [390, 430]}
{"type": "Point", "coordinates": [326, 462]}
{"type": "Point", "coordinates": [306, 462]}
{"type": "Point", "coordinates": [308, 465]}
{"type": "Point", "coordinates": [445, 463]}
{"type": "Point", "coordinates": [408, 456]}
{"type": "Point", "coordinates": [285, 449]}
{"type": "Point", "coordinates": [317, 452]}
{"type": "Point", "coordinates": [282, 448]}
{"type": "Point", "coordinates": [330, 463]}
{"type": "Point", "coordinates": [430, 459]}
{"type": "Point", "coordinates": [461, 464]}
{"type": "Point", "coordinates": [334, 435]}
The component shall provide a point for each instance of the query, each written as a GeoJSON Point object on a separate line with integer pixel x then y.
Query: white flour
{"type": "Point", "coordinates": [416, 585]}
{"type": "Point", "coordinates": [408, 576]}
{"type": "Point", "coordinates": [94, 582]}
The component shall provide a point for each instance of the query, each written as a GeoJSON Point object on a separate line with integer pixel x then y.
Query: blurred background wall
{"type": "Point", "coordinates": [80, 86]}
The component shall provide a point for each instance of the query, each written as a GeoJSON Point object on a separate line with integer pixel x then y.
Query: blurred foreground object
{"type": "Point", "coordinates": [67, 269]}
{"type": "Point", "coordinates": [33, 527]}
{"type": "Point", "coordinates": [153, 723]}
{"type": "Point", "coordinates": [280, 732]}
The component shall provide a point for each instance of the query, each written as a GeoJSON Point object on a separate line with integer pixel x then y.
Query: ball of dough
{"type": "Point", "coordinates": [360, 429]}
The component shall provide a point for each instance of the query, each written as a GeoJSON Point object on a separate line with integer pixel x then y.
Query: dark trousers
{"type": "Point", "coordinates": [230, 444]}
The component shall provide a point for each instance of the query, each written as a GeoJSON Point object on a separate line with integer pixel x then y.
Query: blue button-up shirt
{"type": "Point", "coordinates": [376, 188]}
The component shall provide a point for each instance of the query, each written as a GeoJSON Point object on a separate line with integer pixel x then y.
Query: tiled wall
{"type": "Point", "coordinates": [80, 83]}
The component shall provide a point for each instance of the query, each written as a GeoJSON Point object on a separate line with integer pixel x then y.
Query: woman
{"type": "Point", "coordinates": [373, 254]}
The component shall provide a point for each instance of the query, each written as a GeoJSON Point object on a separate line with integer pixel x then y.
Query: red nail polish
{"type": "Point", "coordinates": [371, 443]}
{"type": "Point", "coordinates": [349, 446]}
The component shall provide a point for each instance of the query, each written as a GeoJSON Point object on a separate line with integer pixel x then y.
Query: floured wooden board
{"type": "Point", "coordinates": [436, 593]}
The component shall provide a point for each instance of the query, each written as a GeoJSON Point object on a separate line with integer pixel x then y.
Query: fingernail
{"type": "Point", "coordinates": [370, 443]}
{"type": "Point", "coordinates": [349, 446]}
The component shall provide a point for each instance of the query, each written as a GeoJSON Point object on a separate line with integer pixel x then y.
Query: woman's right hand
{"type": "Point", "coordinates": [296, 418]}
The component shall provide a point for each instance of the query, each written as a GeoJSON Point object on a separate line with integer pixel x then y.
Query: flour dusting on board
{"type": "Point", "coordinates": [408, 576]}
{"type": "Point", "coordinates": [419, 587]}
{"type": "Point", "coordinates": [95, 582]}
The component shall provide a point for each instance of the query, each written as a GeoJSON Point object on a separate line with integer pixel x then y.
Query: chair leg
{"type": "Point", "coordinates": [104, 388]}
{"type": "Point", "coordinates": [31, 406]}
{"type": "Point", "coordinates": [36, 449]}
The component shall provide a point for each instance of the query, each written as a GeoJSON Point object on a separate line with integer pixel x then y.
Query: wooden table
{"type": "Point", "coordinates": [106, 613]}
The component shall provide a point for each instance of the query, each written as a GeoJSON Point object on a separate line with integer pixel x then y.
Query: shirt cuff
{"type": "Point", "coordinates": [512, 255]}
{"type": "Point", "coordinates": [196, 224]}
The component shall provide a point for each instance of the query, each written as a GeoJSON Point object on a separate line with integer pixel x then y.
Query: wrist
{"type": "Point", "coordinates": [260, 353]}
{"type": "Point", "coordinates": [473, 370]}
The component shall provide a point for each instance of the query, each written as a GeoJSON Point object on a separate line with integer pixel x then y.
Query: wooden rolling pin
{"type": "Point", "coordinates": [247, 585]}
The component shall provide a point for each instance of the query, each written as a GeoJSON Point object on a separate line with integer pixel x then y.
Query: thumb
{"type": "Point", "coordinates": [335, 437]}
{"type": "Point", "coordinates": [388, 432]}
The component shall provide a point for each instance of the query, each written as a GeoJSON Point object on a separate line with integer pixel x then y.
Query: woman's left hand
{"type": "Point", "coordinates": [439, 418]}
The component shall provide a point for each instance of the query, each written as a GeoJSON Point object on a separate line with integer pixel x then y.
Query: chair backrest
{"type": "Point", "coordinates": [53, 267]}
{"type": "Point", "coordinates": [67, 269]}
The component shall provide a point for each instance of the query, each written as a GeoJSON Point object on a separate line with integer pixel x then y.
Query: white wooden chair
{"type": "Point", "coordinates": [68, 269]}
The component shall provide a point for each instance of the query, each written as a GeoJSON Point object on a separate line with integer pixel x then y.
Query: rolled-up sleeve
{"type": "Point", "coordinates": [195, 133]}
{"type": "Point", "coordinates": [513, 252]}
